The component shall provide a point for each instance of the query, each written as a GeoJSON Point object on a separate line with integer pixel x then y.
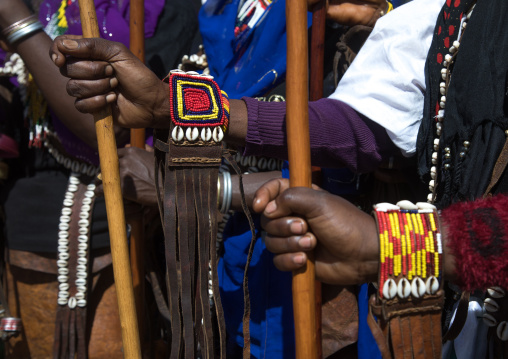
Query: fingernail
{"type": "Point", "coordinates": [70, 44]}
{"type": "Point", "coordinates": [113, 82]}
{"type": "Point", "coordinates": [299, 259]}
{"type": "Point", "coordinates": [296, 227]}
{"type": "Point", "coordinates": [108, 70]}
{"type": "Point", "coordinates": [54, 57]}
{"type": "Point", "coordinates": [110, 98]}
{"type": "Point", "coordinates": [305, 242]}
{"type": "Point", "coordinates": [99, 176]}
{"type": "Point", "coordinates": [271, 207]}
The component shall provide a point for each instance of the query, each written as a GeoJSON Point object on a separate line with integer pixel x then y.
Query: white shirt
{"type": "Point", "coordinates": [386, 81]}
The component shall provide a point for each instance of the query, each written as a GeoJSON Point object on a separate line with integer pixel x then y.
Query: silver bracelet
{"type": "Point", "coordinates": [227, 192]}
{"type": "Point", "coordinates": [23, 32]}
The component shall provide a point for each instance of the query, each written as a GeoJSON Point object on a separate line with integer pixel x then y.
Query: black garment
{"type": "Point", "coordinates": [475, 103]}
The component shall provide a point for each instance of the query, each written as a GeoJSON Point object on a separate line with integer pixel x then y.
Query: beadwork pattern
{"type": "Point", "coordinates": [410, 249]}
{"type": "Point", "coordinates": [199, 109]}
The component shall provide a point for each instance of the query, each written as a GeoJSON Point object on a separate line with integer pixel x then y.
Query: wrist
{"type": "Point", "coordinates": [162, 108]}
{"type": "Point", "coordinates": [13, 12]}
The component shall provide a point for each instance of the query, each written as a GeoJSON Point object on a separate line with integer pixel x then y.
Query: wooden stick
{"type": "Point", "coordinates": [137, 247]}
{"type": "Point", "coordinates": [114, 206]}
{"type": "Point", "coordinates": [317, 56]}
{"type": "Point", "coordinates": [297, 123]}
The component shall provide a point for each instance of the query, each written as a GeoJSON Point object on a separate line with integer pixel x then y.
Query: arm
{"type": "Point", "coordinates": [33, 50]}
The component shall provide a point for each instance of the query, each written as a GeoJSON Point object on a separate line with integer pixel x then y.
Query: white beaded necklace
{"type": "Point", "coordinates": [443, 89]}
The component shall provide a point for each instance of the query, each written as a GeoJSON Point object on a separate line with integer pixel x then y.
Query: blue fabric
{"type": "Point", "coordinates": [244, 66]}
{"type": "Point", "coordinates": [367, 347]}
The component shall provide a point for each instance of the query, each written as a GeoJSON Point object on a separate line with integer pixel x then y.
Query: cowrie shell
{"type": "Point", "coordinates": [489, 320]}
{"type": "Point", "coordinates": [81, 303]}
{"type": "Point", "coordinates": [61, 263]}
{"type": "Point", "coordinates": [81, 288]}
{"type": "Point", "coordinates": [272, 164]}
{"type": "Point", "coordinates": [63, 234]}
{"type": "Point", "coordinates": [218, 135]}
{"type": "Point", "coordinates": [63, 255]}
{"type": "Point", "coordinates": [87, 200]}
{"type": "Point", "coordinates": [245, 161]}
{"type": "Point", "coordinates": [65, 219]}
{"type": "Point", "coordinates": [502, 331]}
{"type": "Point", "coordinates": [63, 248]}
{"type": "Point", "coordinates": [496, 292]}
{"type": "Point", "coordinates": [91, 187]}
{"type": "Point", "coordinates": [177, 134]}
{"type": "Point", "coordinates": [63, 271]}
{"type": "Point", "coordinates": [80, 282]}
{"type": "Point", "coordinates": [176, 71]}
{"type": "Point", "coordinates": [82, 238]}
{"type": "Point", "coordinates": [66, 211]}
{"type": "Point", "coordinates": [63, 294]}
{"type": "Point", "coordinates": [418, 287]}
{"type": "Point", "coordinates": [62, 301]}
{"type": "Point", "coordinates": [80, 295]}
{"type": "Point", "coordinates": [192, 133]}
{"type": "Point", "coordinates": [405, 204]}
{"type": "Point", "coordinates": [63, 242]}
{"type": "Point", "coordinates": [261, 163]}
{"type": "Point", "coordinates": [62, 279]}
{"type": "Point", "coordinates": [384, 206]}
{"type": "Point", "coordinates": [63, 226]}
{"type": "Point", "coordinates": [404, 288]}
{"type": "Point", "coordinates": [89, 194]}
{"type": "Point", "coordinates": [72, 302]}
{"type": "Point", "coordinates": [63, 286]}
{"type": "Point", "coordinates": [73, 180]}
{"type": "Point", "coordinates": [491, 305]}
{"type": "Point", "coordinates": [432, 285]}
{"type": "Point", "coordinates": [72, 188]}
{"type": "Point", "coordinates": [389, 289]}
{"type": "Point", "coordinates": [83, 230]}
{"type": "Point", "coordinates": [192, 73]}
{"type": "Point", "coordinates": [206, 134]}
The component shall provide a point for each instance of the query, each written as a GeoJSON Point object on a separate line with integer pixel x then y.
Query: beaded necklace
{"type": "Point", "coordinates": [446, 75]}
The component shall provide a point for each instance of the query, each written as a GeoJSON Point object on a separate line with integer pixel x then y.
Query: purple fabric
{"type": "Point", "coordinates": [339, 136]}
{"type": "Point", "coordinates": [113, 19]}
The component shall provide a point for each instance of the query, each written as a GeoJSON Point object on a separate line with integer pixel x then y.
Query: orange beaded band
{"type": "Point", "coordinates": [410, 249]}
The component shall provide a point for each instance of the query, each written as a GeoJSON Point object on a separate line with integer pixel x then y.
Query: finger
{"type": "Point", "coordinates": [280, 245]}
{"type": "Point", "coordinates": [90, 88]}
{"type": "Point", "coordinates": [284, 226]}
{"type": "Point", "coordinates": [94, 104]}
{"type": "Point", "coordinates": [295, 201]}
{"type": "Point", "coordinates": [290, 261]}
{"type": "Point", "coordinates": [268, 192]}
{"type": "Point", "coordinates": [86, 70]}
{"type": "Point", "coordinates": [88, 49]}
{"type": "Point", "coordinates": [56, 55]}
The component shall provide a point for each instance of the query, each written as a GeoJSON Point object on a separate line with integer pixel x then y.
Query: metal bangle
{"type": "Point", "coordinates": [19, 24]}
{"type": "Point", "coordinates": [23, 32]}
{"type": "Point", "coordinates": [227, 192]}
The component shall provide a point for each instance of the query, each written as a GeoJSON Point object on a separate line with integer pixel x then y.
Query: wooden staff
{"type": "Point", "coordinates": [297, 123]}
{"type": "Point", "coordinates": [114, 207]}
{"type": "Point", "coordinates": [137, 247]}
{"type": "Point", "coordinates": [317, 53]}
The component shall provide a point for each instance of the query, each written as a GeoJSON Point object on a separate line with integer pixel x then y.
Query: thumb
{"type": "Point", "coordinates": [87, 49]}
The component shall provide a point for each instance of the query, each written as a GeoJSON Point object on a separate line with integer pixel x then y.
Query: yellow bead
{"type": "Point", "coordinates": [432, 221]}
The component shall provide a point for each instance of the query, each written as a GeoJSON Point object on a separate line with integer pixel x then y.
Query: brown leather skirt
{"type": "Point", "coordinates": [31, 288]}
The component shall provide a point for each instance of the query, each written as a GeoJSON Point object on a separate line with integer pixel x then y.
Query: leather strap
{"type": "Point", "coordinates": [499, 168]}
{"type": "Point", "coordinates": [460, 318]}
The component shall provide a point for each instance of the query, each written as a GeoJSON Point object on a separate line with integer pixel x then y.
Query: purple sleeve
{"type": "Point", "coordinates": [339, 136]}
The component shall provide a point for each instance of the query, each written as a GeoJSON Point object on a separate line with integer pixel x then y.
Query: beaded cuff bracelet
{"type": "Point", "coordinates": [410, 250]}
{"type": "Point", "coordinates": [199, 109]}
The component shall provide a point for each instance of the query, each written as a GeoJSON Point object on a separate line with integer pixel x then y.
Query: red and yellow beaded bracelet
{"type": "Point", "coordinates": [410, 250]}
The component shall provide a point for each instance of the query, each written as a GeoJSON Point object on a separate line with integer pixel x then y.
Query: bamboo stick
{"type": "Point", "coordinates": [297, 123]}
{"type": "Point", "coordinates": [114, 206]}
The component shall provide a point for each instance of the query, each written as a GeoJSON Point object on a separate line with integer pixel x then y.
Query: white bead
{"type": "Point", "coordinates": [431, 183]}
{"type": "Point", "coordinates": [448, 57]}
{"type": "Point", "coordinates": [502, 331]}
{"type": "Point", "coordinates": [72, 188]}
{"type": "Point", "coordinates": [432, 285]}
{"type": "Point", "coordinates": [177, 134]}
{"type": "Point", "coordinates": [442, 91]}
{"type": "Point", "coordinates": [434, 156]}
{"type": "Point", "coordinates": [62, 278]}
{"type": "Point", "coordinates": [217, 134]}
{"type": "Point", "coordinates": [389, 289]}
{"type": "Point", "coordinates": [72, 302]}
{"type": "Point", "coordinates": [496, 292]}
{"type": "Point", "coordinates": [456, 44]}
{"type": "Point", "coordinates": [442, 85]}
{"type": "Point", "coordinates": [408, 205]}
{"type": "Point", "coordinates": [442, 104]}
{"type": "Point", "coordinates": [453, 49]}
{"type": "Point", "coordinates": [82, 303]}
{"type": "Point", "coordinates": [89, 194]}
{"type": "Point", "coordinates": [68, 202]}
{"type": "Point", "coordinates": [404, 288]}
{"type": "Point", "coordinates": [206, 134]}
{"type": "Point", "coordinates": [82, 238]}
{"type": "Point", "coordinates": [418, 287]}
{"type": "Point", "coordinates": [87, 201]}
{"type": "Point", "coordinates": [490, 305]}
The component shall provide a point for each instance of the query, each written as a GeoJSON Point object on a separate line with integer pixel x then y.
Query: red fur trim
{"type": "Point", "coordinates": [477, 234]}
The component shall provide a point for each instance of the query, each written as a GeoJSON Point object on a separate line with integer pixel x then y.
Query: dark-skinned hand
{"type": "Point", "coordinates": [299, 220]}
{"type": "Point", "coordinates": [353, 12]}
{"type": "Point", "coordinates": [137, 176]}
{"type": "Point", "coordinates": [102, 72]}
